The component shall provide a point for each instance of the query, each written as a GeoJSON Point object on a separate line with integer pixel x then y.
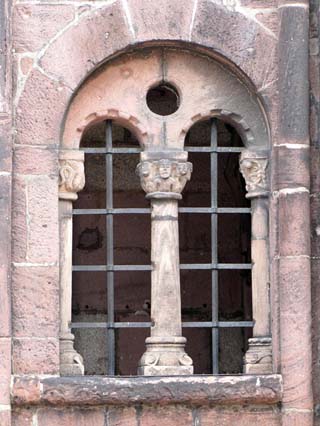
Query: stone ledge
{"type": "Point", "coordinates": [195, 390]}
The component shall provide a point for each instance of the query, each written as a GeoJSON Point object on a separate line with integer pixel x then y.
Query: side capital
{"type": "Point", "coordinates": [71, 174]}
{"type": "Point", "coordinates": [253, 167]}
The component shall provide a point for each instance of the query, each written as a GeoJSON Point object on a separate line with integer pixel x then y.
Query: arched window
{"type": "Point", "coordinates": [164, 252]}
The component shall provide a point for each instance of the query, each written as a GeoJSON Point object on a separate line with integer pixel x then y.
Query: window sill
{"type": "Point", "coordinates": [201, 390]}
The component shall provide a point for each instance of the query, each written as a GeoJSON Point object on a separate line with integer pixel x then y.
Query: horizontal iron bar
{"type": "Point", "coordinates": [97, 268]}
{"type": "Point", "coordinates": [195, 324]}
{"type": "Point", "coordinates": [111, 151]}
{"type": "Point", "coordinates": [194, 266]}
{"type": "Point", "coordinates": [201, 149]}
{"type": "Point", "coordinates": [199, 210]}
{"type": "Point", "coordinates": [219, 149]}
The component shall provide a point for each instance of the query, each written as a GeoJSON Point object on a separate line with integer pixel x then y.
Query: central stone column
{"type": "Point", "coordinates": [163, 179]}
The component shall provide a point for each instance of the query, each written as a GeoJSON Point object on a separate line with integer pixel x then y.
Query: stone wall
{"type": "Point", "coordinates": [51, 48]}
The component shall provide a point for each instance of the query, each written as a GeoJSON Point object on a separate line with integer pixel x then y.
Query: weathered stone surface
{"type": "Point", "coordinates": [76, 417]}
{"type": "Point", "coordinates": [97, 35]}
{"type": "Point", "coordinates": [246, 47]}
{"type": "Point", "coordinates": [34, 25]}
{"type": "Point", "coordinates": [35, 356]}
{"type": "Point", "coordinates": [297, 419]}
{"type": "Point", "coordinates": [5, 370]}
{"type": "Point", "coordinates": [295, 315]}
{"type": "Point", "coordinates": [40, 110]}
{"type": "Point", "coordinates": [5, 417]}
{"type": "Point", "coordinates": [243, 417]}
{"type": "Point", "coordinates": [35, 219]}
{"type": "Point", "coordinates": [170, 416]}
{"type": "Point", "coordinates": [287, 175]}
{"type": "Point", "coordinates": [35, 297]}
{"type": "Point", "coordinates": [293, 72]}
{"type": "Point", "coordinates": [35, 161]}
{"type": "Point", "coordinates": [204, 88]}
{"type": "Point", "coordinates": [259, 4]}
{"type": "Point", "coordinates": [26, 388]}
{"type": "Point", "coordinates": [5, 251]}
{"type": "Point", "coordinates": [294, 220]}
{"type": "Point", "coordinates": [152, 21]}
{"type": "Point", "coordinates": [22, 417]}
{"type": "Point", "coordinates": [122, 416]}
{"type": "Point", "coordinates": [116, 391]}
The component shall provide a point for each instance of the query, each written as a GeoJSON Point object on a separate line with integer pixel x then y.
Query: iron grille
{"type": "Point", "coordinates": [111, 325]}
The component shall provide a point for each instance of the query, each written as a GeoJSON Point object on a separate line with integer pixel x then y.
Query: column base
{"type": "Point", "coordinates": [71, 363]}
{"type": "Point", "coordinates": [258, 358]}
{"type": "Point", "coordinates": [165, 356]}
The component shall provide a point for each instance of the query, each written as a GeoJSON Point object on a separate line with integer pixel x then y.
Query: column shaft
{"type": "Point", "coordinates": [165, 277]}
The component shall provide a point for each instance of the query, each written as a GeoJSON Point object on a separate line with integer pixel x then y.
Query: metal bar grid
{"type": "Point", "coordinates": [196, 210]}
{"type": "Point", "coordinates": [192, 324]}
{"type": "Point", "coordinates": [214, 246]}
{"type": "Point", "coordinates": [111, 150]}
{"type": "Point", "coordinates": [110, 268]}
{"type": "Point", "coordinates": [190, 267]}
{"type": "Point", "coordinates": [109, 254]}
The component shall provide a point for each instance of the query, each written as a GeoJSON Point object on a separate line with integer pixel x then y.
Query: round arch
{"type": "Point", "coordinates": [118, 89]}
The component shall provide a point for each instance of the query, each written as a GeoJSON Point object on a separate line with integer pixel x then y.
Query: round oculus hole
{"type": "Point", "coordinates": [163, 99]}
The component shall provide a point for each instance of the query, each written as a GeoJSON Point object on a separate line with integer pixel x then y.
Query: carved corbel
{"type": "Point", "coordinates": [253, 167]}
{"type": "Point", "coordinates": [71, 174]}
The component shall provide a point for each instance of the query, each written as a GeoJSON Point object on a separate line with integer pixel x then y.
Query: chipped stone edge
{"type": "Point", "coordinates": [95, 391]}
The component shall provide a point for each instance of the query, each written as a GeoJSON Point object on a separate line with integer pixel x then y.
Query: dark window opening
{"type": "Point", "coordinates": [163, 99]}
{"type": "Point", "coordinates": [111, 253]}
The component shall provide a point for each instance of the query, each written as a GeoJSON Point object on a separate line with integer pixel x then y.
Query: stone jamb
{"type": "Point", "coordinates": [71, 180]}
{"type": "Point", "coordinates": [254, 166]}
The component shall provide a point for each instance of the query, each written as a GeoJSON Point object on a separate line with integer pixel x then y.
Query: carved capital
{"type": "Point", "coordinates": [253, 167]}
{"type": "Point", "coordinates": [164, 178]}
{"type": "Point", "coordinates": [71, 174]}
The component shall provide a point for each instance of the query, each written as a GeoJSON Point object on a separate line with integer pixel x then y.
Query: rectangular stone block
{"type": "Point", "coordinates": [5, 140]}
{"type": "Point", "coordinates": [35, 25]}
{"type": "Point", "coordinates": [297, 418]}
{"type": "Point", "coordinates": [163, 18]}
{"type": "Point", "coordinates": [293, 72]}
{"type": "Point", "coordinates": [169, 416]}
{"type": "Point", "coordinates": [19, 219]}
{"type": "Point", "coordinates": [30, 160]}
{"type": "Point", "coordinates": [295, 320]}
{"type": "Point", "coordinates": [5, 418]}
{"type": "Point", "coordinates": [5, 370]}
{"type": "Point", "coordinates": [122, 416]}
{"type": "Point", "coordinates": [70, 417]}
{"type": "Point", "coordinates": [286, 175]}
{"type": "Point", "coordinates": [40, 110]}
{"type": "Point", "coordinates": [239, 416]}
{"type": "Point", "coordinates": [5, 302]}
{"type": "Point", "coordinates": [294, 222]}
{"type": "Point", "coordinates": [35, 220]}
{"type": "Point", "coordinates": [22, 417]}
{"type": "Point", "coordinates": [35, 301]}
{"type": "Point", "coordinates": [35, 356]}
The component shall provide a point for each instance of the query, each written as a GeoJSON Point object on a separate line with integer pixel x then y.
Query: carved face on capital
{"type": "Point", "coordinates": [145, 168]}
{"type": "Point", "coordinates": [182, 169]}
{"type": "Point", "coordinates": [165, 168]}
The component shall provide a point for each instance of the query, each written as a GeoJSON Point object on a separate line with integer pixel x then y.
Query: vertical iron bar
{"type": "Point", "coordinates": [214, 245]}
{"type": "Point", "coordinates": [109, 248]}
